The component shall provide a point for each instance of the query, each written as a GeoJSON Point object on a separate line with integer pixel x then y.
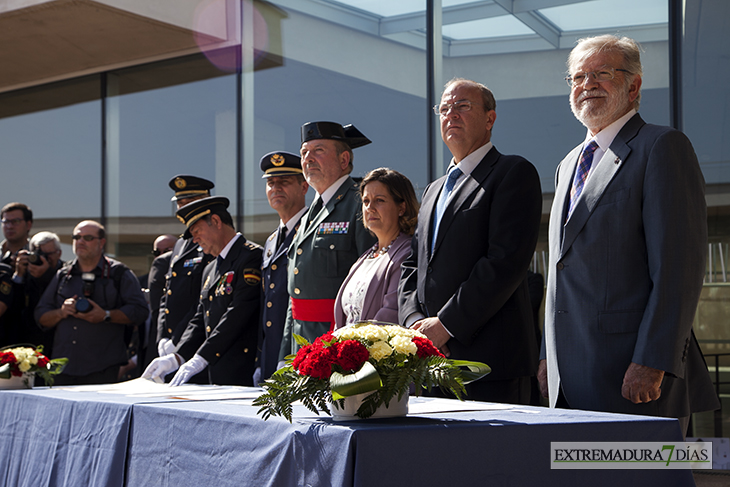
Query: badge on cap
{"type": "Point", "coordinates": [277, 160]}
{"type": "Point", "coordinates": [180, 183]}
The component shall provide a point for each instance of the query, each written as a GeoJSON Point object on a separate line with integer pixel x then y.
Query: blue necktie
{"type": "Point", "coordinates": [453, 176]}
{"type": "Point", "coordinates": [586, 159]}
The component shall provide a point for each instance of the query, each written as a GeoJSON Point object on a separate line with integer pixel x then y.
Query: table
{"type": "Point", "coordinates": [75, 436]}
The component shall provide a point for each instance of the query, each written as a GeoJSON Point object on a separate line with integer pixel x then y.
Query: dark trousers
{"type": "Point", "coordinates": [508, 391]}
{"type": "Point", "coordinates": [109, 375]}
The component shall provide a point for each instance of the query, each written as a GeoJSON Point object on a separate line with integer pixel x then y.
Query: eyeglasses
{"type": "Point", "coordinates": [87, 238]}
{"type": "Point", "coordinates": [605, 73]}
{"type": "Point", "coordinates": [13, 221]}
{"type": "Point", "coordinates": [460, 106]}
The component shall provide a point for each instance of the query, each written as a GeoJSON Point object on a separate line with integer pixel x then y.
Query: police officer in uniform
{"type": "Point", "coordinates": [285, 191]}
{"type": "Point", "coordinates": [219, 343]}
{"type": "Point", "coordinates": [331, 236]}
{"type": "Point", "coordinates": [183, 279]}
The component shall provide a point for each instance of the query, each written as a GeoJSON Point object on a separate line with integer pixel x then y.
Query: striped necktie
{"type": "Point", "coordinates": [581, 174]}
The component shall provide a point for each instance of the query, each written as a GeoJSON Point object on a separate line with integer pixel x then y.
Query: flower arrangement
{"type": "Point", "coordinates": [383, 360]}
{"type": "Point", "coordinates": [17, 360]}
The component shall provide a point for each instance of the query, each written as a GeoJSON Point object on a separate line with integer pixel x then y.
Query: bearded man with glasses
{"type": "Point", "coordinates": [628, 240]}
{"type": "Point", "coordinates": [89, 302]}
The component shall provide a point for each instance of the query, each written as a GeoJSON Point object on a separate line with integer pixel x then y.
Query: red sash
{"type": "Point", "coordinates": [314, 310]}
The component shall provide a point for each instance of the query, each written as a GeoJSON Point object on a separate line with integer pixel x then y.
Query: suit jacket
{"type": "Point", "coordinates": [225, 326]}
{"type": "Point", "coordinates": [182, 289]}
{"type": "Point", "coordinates": [626, 273]}
{"type": "Point", "coordinates": [381, 297]}
{"type": "Point", "coordinates": [275, 300]}
{"type": "Point", "coordinates": [475, 279]}
{"type": "Point", "coordinates": [321, 256]}
{"type": "Point", "coordinates": [156, 284]}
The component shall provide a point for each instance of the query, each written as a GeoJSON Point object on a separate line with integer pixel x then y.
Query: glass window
{"type": "Point", "coordinates": [169, 118]}
{"type": "Point", "coordinates": [51, 153]}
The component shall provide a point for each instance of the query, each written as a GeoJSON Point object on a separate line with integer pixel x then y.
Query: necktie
{"type": "Point", "coordinates": [453, 176]}
{"type": "Point", "coordinates": [314, 211]}
{"type": "Point", "coordinates": [586, 159]}
{"type": "Point", "coordinates": [281, 236]}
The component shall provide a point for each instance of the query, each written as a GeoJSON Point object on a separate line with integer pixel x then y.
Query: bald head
{"type": "Point", "coordinates": [164, 243]}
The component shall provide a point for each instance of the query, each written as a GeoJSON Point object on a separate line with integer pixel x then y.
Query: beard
{"type": "Point", "coordinates": [600, 113]}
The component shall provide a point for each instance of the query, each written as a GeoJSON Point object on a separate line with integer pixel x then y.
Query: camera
{"type": "Point", "coordinates": [83, 305]}
{"type": "Point", "coordinates": [35, 257]}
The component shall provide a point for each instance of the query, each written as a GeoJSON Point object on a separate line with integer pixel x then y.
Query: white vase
{"type": "Point", "coordinates": [397, 407]}
{"type": "Point", "coordinates": [24, 381]}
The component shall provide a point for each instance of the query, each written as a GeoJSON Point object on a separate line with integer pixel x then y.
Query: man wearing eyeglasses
{"type": "Point", "coordinates": [89, 303]}
{"type": "Point", "coordinates": [34, 270]}
{"type": "Point", "coordinates": [628, 239]}
{"type": "Point", "coordinates": [465, 284]}
{"type": "Point", "coordinates": [17, 220]}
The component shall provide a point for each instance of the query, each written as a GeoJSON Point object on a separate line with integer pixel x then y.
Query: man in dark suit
{"type": "Point", "coordinates": [219, 343]}
{"type": "Point", "coordinates": [285, 191]}
{"type": "Point", "coordinates": [464, 284]}
{"type": "Point", "coordinates": [183, 276]}
{"type": "Point", "coordinates": [628, 239]}
{"type": "Point", "coordinates": [331, 236]}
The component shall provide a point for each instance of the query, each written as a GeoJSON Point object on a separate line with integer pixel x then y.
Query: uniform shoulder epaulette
{"type": "Point", "coordinates": [253, 246]}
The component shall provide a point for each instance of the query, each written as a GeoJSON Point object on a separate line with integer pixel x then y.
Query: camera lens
{"type": "Point", "coordinates": [83, 305]}
{"type": "Point", "coordinates": [34, 258]}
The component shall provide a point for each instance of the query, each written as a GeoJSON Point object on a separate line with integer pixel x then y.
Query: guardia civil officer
{"type": "Point", "coordinates": [219, 342]}
{"type": "Point", "coordinates": [183, 278]}
{"type": "Point", "coordinates": [331, 236]}
{"type": "Point", "coordinates": [285, 191]}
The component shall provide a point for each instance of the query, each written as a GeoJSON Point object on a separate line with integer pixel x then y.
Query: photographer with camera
{"type": "Point", "coordinates": [89, 302]}
{"type": "Point", "coordinates": [34, 269]}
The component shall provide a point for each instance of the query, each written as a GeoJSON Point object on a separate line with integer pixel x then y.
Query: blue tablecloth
{"type": "Point", "coordinates": [54, 438]}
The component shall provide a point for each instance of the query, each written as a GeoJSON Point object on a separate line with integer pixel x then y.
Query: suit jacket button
{"type": "Point", "coordinates": [207, 328]}
{"type": "Point", "coordinates": [272, 285]}
{"type": "Point", "coordinates": [190, 272]}
{"type": "Point", "coordinates": [296, 290]}
{"type": "Point", "coordinates": [296, 271]}
{"type": "Point", "coordinates": [273, 267]}
{"type": "Point", "coordinates": [217, 354]}
{"type": "Point", "coordinates": [207, 313]}
{"type": "Point", "coordinates": [332, 246]}
{"type": "Point", "coordinates": [210, 298]}
{"type": "Point", "coordinates": [268, 324]}
{"type": "Point", "coordinates": [299, 251]}
{"type": "Point", "coordinates": [245, 350]}
{"type": "Point", "coordinates": [269, 305]}
{"type": "Point", "coordinates": [560, 266]}
{"type": "Point", "coordinates": [169, 292]}
{"type": "Point", "coordinates": [174, 274]}
{"type": "Point", "coordinates": [169, 330]}
{"type": "Point", "coordinates": [167, 311]}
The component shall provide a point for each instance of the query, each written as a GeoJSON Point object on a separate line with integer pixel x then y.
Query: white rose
{"type": "Point", "coordinates": [24, 366]}
{"type": "Point", "coordinates": [379, 350]}
{"type": "Point", "coordinates": [403, 345]}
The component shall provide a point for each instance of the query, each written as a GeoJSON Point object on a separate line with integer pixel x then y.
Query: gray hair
{"type": "Point", "coordinates": [42, 238]}
{"type": "Point", "coordinates": [627, 47]}
{"type": "Point", "coordinates": [487, 96]}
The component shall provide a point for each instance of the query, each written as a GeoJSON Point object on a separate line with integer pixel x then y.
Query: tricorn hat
{"type": "Point", "coordinates": [281, 164]}
{"type": "Point", "coordinates": [334, 131]}
{"type": "Point", "coordinates": [186, 186]}
{"type": "Point", "coordinates": [192, 212]}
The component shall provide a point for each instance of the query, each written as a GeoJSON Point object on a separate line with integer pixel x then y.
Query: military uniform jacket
{"type": "Point", "coordinates": [225, 326]}
{"type": "Point", "coordinates": [275, 301]}
{"type": "Point", "coordinates": [322, 253]}
{"type": "Point", "coordinates": [182, 289]}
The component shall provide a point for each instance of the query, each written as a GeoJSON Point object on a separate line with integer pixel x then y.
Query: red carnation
{"type": "Point", "coordinates": [301, 356]}
{"type": "Point", "coordinates": [42, 361]}
{"type": "Point", "coordinates": [7, 358]}
{"type": "Point", "coordinates": [426, 348]}
{"type": "Point", "coordinates": [316, 359]}
{"type": "Point", "coordinates": [351, 355]}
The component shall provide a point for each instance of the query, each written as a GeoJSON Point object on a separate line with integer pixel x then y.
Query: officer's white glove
{"type": "Point", "coordinates": [256, 376]}
{"type": "Point", "coordinates": [188, 370]}
{"type": "Point", "coordinates": [160, 367]}
{"type": "Point", "coordinates": [165, 347]}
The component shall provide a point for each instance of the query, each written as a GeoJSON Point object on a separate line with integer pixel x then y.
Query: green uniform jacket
{"type": "Point", "coordinates": [321, 255]}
